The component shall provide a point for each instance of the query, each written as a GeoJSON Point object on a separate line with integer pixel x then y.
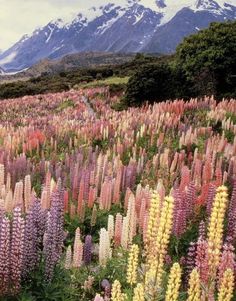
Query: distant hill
{"type": "Point", "coordinates": [68, 63]}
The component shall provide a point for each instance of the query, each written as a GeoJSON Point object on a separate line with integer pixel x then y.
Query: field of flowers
{"type": "Point", "coordinates": [136, 205]}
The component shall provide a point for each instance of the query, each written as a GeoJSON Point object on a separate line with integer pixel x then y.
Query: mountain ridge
{"type": "Point", "coordinates": [127, 26]}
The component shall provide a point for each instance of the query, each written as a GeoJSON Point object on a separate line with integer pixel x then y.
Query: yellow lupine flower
{"type": "Point", "coordinates": [116, 294]}
{"type": "Point", "coordinates": [194, 291]}
{"type": "Point", "coordinates": [139, 293]}
{"type": "Point", "coordinates": [156, 262]}
{"type": "Point", "coordinates": [174, 283]}
{"type": "Point", "coordinates": [227, 286]}
{"type": "Point", "coordinates": [153, 219]}
{"type": "Point", "coordinates": [132, 265]}
{"type": "Point", "coordinates": [215, 229]}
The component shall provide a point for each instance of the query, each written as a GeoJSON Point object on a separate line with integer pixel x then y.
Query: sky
{"type": "Point", "coordinates": [19, 17]}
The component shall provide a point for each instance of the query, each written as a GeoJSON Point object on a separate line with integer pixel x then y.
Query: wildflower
{"type": "Point", "coordinates": [104, 247]}
{"type": "Point", "coordinates": [152, 227]}
{"type": "Point", "coordinates": [215, 230]}
{"type": "Point", "coordinates": [156, 261]}
{"type": "Point", "coordinates": [116, 294]}
{"type": "Point", "coordinates": [132, 265]}
{"type": "Point", "coordinates": [139, 293]}
{"type": "Point", "coordinates": [174, 282]}
{"type": "Point", "coordinates": [227, 286]}
{"type": "Point", "coordinates": [68, 259]}
{"type": "Point", "coordinates": [194, 291]}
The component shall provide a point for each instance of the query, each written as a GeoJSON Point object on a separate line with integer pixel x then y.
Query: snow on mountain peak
{"type": "Point", "coordinates": [168, 8]}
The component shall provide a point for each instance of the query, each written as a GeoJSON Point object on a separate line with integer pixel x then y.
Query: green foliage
{"type": "Point", "coordinates": [204, 64]}
{"type": "Point", "coordinates": [103, 144]}
{"type": "Point", "coordinates": [114, 269]}
{"type": "Point", "coordinates": [38, 289]}
{"type": "Point", "coordinates": [65, 104]}
{"type": "Point", "coordinates": [232, 117]}
{"type": "Point", "coordinates": [229, 135]}
{"type": "Point", "coordinates": [208, 59]}
{"type": "Point", "coordinates": [113, 74]}
{"type": "Point", "coordinates": [85, 226]}
{"type": "Point", "coordinates": [151, 82]}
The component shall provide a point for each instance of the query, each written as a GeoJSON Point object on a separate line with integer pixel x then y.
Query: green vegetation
{"type": "Point", "coordinates": [115, 76]}
{"type": "Point", "coordinates": [115, 80]}
{"type": "Point", "coordinates": [208, 59]}
{"type": "Point", "coordinates": [204, 64]}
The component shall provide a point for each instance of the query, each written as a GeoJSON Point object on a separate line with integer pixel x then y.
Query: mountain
{"type": "Point", "coordinates": [123, 26]}
{"type": "Point", "coordinates": [69, 62]}
{"type": "Point", "coordinates": [2, 72]}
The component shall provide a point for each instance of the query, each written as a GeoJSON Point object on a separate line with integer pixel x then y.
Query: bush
{"type": "Point", "coordinates": [152, 83]}
{"type": "Point", "coordinates": [208, 60]}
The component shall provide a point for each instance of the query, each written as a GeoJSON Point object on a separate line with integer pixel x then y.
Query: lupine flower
{"type": "Point", "coordinates": [227, 261]}
{"type": "Point", "coordinates": [110, 226]}
{"type": "Point", "coordinates": [27, 193]}
{"type": "Point", "coordinates": [98, 298]}
{"type": "Point", "coordinates": [116, 294]}
{"type": "Point", "coordinates": [163, 235]}
{"type": "Point", "coordinates": [132, 265]}
{"type": "Point", "coordinates": [194, 291]}
{"type": "Point", "coordinates": [191, 259]}
{"type": "Point", "coordinates": [16, 250]}
{"type": "Point", "coordinates": [139, 293]}
{"type": "Point", "coordinates": [174, 282]}
{"type": "Point", "coordinates": [180, 213]}
{"type": "Point", "coordinates": [227, 286]}
{"type": "Point", "coordinates": [152, 227]}
{"type": "Point", "coordinates": [201, 260]}
{"type": "Point", "coordinates": [104, 247]}
{"type": "Point", "coordinates": [54, 234]}
{"type": "Point", "coordinates": [125, 233]}
{"type": "Point", "coordinates": [4, 256]}
{"type": "Point", "coordinates": [215, 230]}
{"type": "Point", "coordinates": [88, 283]}
{"type": "Point", "coordinates": [88, 249]}
{"type": "Point", "coordinates": [33, 240]}
{"type": "Point", "coordinates": [231, 232]}
{"type": "Point", "coordinates": [118, 229]}
{"type": "Point", "coordinates": [68, 259]}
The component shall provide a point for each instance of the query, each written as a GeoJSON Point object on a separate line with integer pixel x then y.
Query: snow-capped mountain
{"type": "Point", "coordinates": [123, 26]}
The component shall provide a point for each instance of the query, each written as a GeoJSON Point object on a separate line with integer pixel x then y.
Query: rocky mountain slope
{"type": "Point", "coordinates": [123, 26]}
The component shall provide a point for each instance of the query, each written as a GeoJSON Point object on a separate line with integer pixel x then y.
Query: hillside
{"type": "Point", "coordinates": [69, 63]}
{"type": "Point", "coordinates": [95, 202]}
{"type": "Point", "coordinates": [101, 66]}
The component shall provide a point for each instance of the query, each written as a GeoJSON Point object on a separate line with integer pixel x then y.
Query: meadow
{"type": "Point", "coordinates": [99, 204]}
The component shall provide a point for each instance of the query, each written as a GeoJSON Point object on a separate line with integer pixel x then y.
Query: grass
{"type": "Point", "coordinates": [106, 82]}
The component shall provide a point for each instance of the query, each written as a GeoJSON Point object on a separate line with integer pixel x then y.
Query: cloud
{"type": "Point", "coordinates": [18, 17]}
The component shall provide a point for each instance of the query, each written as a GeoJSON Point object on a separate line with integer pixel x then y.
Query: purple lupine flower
{"type": "Point", "coordinates": [231, 229]}
{"type": "Point", "coordinates": [202, 230]}
{"type": "Point", "coordinates": [88, 249]}
{"type": "Point", "coordinates": [190, 199]}
{"type": "Point", "coordinates": [54, 235]}
{"type": "Point", "coordinates": [4, 255]}
{"type": "Point", "coordinates": [179, 225]}
{"type": "Point", "coordinates": [16, 252]}
{"type": "Point", "coordinates": [210, 198]}
{"type": "Point", "coordinates": [190, 260]}
{"type": "Point", "coordinates": [227, 261]}
{"type": "Point", "coordinates": [34, 230]}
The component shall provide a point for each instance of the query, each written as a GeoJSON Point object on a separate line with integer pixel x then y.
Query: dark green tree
{"type": "Point", "coordinates": [208, 59]}
{"type": "Point", "coordinates": [150, 83]}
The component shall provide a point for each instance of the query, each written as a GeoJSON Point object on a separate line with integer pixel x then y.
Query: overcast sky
{"type": "Point", "coordinates": [18, 17]}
